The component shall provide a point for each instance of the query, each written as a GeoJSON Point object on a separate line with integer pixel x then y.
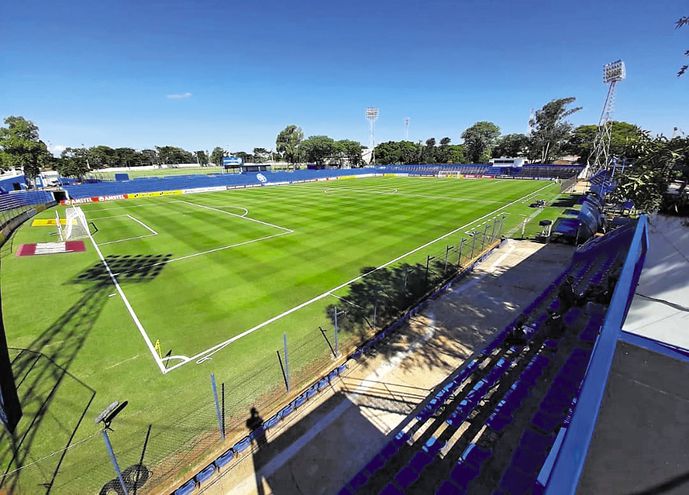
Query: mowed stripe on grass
{"type": "Point", "coordinates": [222, 293]}
{"type": "Point", "coordinates": [196, 303]}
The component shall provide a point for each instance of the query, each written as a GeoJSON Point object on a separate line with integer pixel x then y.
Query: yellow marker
{"type": "Point", "coordinates": [156, 346]}
{"type": "Point", "coordinates": [47, 222]}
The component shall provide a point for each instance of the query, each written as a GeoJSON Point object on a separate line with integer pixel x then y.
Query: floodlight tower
{"type": "Point", "coordinates": [372, 116]}
{"type": "Point", "coordinates": [613, 73]}
{"type": "Point", "coordinates": [406, 128]}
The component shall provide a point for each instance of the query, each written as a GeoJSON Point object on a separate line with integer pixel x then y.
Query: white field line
{"type": "Point", "coordinates": [222, 248]}
{"type": "Point", "coordinates": [153, 232]}
{"type": "Point", "coordinates": [212, 350]}
{"type": "Point", "coordinates": [143, 225]}
{"type": "Point", "coordinates": [135, 318]}
{"type": "Point", "coordinates": [235, 215]}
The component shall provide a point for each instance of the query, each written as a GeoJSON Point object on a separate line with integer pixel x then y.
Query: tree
{"type": "Point", "coordinates": [73, 162]}
{"type": "Point", "coordinates": [511, 145]}
{"type": "Point", "coordinates": [261, 155]}
{"type": "Point", "coordinates": [456, 154]}
{"type": "Point", "coordinates": [317, 149]}
{"type": "Point", "coordinates": [683, 21]}
{"type": "Point", "coordinates": [349, 151]}
{"type": "Point", "coordinates": [101, 156]}
{"type": "Point", "coordinates": [661, 161]}
{"type": "Point", "coordinates": [625, 139]}
{"type": "Point", "coordinates": [21, 147]}
{"type": "Point", "coordinates": [428, 154]}
{"type": "Point", "coordinates": [217, 155]}
{"type": "Point", "coordinates": [201, 158]}
{"type": "Point", "coordinates": [149, 157]}
{"type": "Point", "coordinates": [288, 141]}
{"type": "Point", "coordinates": [550, 129]}
{"type": "Point", "coordinates": [173, 155]}
{"type": "Point", "coordinates": [479, 140]}
{"type": "Point", "coordinates": [442, 153]}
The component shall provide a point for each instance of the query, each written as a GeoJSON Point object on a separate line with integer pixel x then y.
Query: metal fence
{"type": "Point", "coordinates": [161, 450]}
{"type": "Point", "coordinates": [14, 204]}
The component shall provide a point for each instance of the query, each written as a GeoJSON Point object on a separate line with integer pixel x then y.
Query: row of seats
{"type": "Point", "coordinates": [413, 451]}
{"type": "Point", "coordinates": [153, 184]}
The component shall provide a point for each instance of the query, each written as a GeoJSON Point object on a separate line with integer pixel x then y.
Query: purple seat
{"type": "Point", "coordinates": [406, 477]}
{"type": "Point", "coordinates": [359, 480]}
{"type": "Point", "coordinates": [345, 490]}
{"type": "Point", "coordinates": [515, 482]}
{"type": "Point", "coordinates": [420, 461]}
{"type": "Point", "coordinates": [475, 455]}
{"type": "Point", "coordinates": [463, 473]}
{"type": "Point", "coordinates": [390, 449]}
{"type": "Point", "coordinates": [528, 460]}
{"type": "Point", "coordinates": [545, 421]}
{"type": "Point", "coordinates": [535, 441]}
{"type": "Point", "coordinates": [449, 488]}
{"type": "Point", "coordinates": [375, 464]}
{"type": "Point", "coordinates": [390, 489]}
{"type": "Point", "coordinates": [498, 422]}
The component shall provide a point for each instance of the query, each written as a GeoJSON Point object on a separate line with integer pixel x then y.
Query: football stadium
{"type": "Point", "coordinates": [501, 314]}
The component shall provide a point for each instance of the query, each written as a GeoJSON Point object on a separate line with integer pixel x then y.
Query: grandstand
{"type": "Point", "coordinates": [483, 412]}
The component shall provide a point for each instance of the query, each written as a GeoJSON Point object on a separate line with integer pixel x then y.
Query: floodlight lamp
{"type": "Point", "coordinates": [110, 412]}
{"type": "Point", "coordinates": [614, 72]}
{"type": "Point", "coordinates": [372, 113]}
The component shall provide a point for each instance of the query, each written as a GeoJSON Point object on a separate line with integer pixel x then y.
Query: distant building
{"type": "Point", "coordinates": [504, 161]}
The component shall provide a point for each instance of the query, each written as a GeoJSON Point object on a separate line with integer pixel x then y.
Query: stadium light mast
{"type": "Point", "coordinates": [599, 159]}
{"type": "Point", "coordinates": [406, 128]}
{"type": "Point", "coordinates": [372, 116]}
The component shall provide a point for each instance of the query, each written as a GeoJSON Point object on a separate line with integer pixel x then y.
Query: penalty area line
{"type": "Point", "coordinates": [222, 345]}
{"type": "Point", "coordinates": [127, 305]}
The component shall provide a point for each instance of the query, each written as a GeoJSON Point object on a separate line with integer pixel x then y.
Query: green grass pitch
{"type": "Point", "coordinates": [216, 278]}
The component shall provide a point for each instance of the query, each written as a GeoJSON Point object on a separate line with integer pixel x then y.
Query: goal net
{"type": "Point", "coordinates": [76, 226]}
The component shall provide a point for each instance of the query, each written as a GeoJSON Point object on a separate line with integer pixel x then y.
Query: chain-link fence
{"type": "Point", "coordinates": [14, 204]}
{"type": "Point", "coordinates": [160, 449]}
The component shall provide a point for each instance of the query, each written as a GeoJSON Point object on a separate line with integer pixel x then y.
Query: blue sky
{"type": "Point", "coordinates": [203, 73]}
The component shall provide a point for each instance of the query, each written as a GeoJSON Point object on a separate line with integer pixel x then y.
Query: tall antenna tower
{"type": "Point", "coordinates": [406, 128]}
{"type": "Point", "coordinates": [372, 116]}
{"type": "Point", "coordinates": [600, 154]}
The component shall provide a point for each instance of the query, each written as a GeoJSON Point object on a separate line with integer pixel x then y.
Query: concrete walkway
{"type": "Point", "coordinates": [330, 440]}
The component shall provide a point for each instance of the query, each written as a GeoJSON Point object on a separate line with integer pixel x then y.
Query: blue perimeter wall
{"type": "Point", "coordinates": [569, 464]}
{"type": "Point", "coordinates": [199, 181]}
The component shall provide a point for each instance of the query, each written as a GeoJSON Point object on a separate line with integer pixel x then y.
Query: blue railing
{"type": "Point", "coordinates": [572, 455]}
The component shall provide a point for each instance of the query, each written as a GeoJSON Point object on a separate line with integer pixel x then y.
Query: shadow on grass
{"type": "Point", "coordinates": [54, 400]}
{"type": "Point", "coordinates": [463, 323]}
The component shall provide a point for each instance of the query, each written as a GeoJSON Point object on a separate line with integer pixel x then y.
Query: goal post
{"type": "Point", "coordinates": [58, 223]}
{"type": "Point", "coordinates": [76, 226]}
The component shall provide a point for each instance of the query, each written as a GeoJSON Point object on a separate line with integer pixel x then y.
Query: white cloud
{"type": "Point", "coordinates": [56, 149]}
{"type": "Point", "coordinates": [179, 96]}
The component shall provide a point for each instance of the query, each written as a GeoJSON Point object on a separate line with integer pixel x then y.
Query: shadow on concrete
{"type": "Point", "coordinates": [463, 321]}
{"type": "Point", "coordinates": [319, 453]}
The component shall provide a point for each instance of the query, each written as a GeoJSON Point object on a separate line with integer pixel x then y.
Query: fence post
{"type": "Point", "coordinates": [447, 251]}
{"type": "Point", "coordinates": [337, 331]}
{"type": "Point", "coordinates": [222, 400]}
{"type": "Point", "coordinates": [473, 243]}
{"type": "Point", "coordinates": [284, 343]}
{"type": "Point", "coordinates": [459, 256]}
{"type": "Point", "coordinates": [483, 244]}
{"type": "Point", "coordinates": [218, 414]}
{"type": "Point", "coordinates": [492, 234]}
{"type": "Point", "coordinates": [113, 459]}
